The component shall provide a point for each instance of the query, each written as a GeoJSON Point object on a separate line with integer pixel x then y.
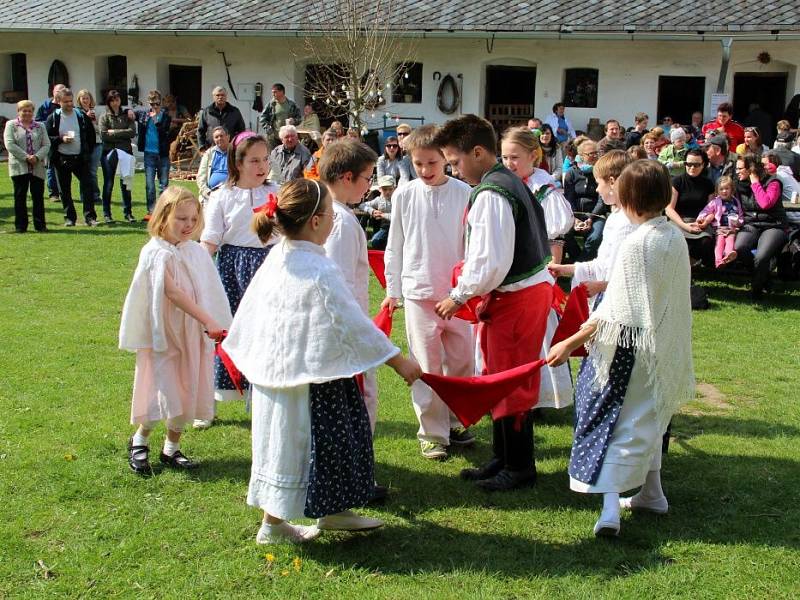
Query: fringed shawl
{"type": "Point", "coordinates": [647, 307]}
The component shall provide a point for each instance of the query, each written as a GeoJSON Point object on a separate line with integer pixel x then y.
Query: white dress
{"type": "Point", "coordinates": [298, 324]}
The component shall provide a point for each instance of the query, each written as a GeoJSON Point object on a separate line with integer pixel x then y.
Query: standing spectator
{"type": "Point", "coordinates": [86, 105]}
{"type": "Point", "coordinates": [695, 129]}
{"type": "Point", "coordinates": [389, 161]}
{"type": "Point", "coordinates": [213, 169]}
{"type": "Point", "coordinates": [116, 131]}
{"type": "Point", "coordinates": [220, 113]}
{"type": "Point", "coordinates": [764, 220]}
{"type": "Point", "coordinates": [673, 156]}
{"type": "Point", "coordinates": [719, 162]}
{"type": "Point", "coordinates": [28, 146]}
{"type": "Point", "coordinates": [310, 122]}
{"type": "Point", "coordinates": [153, 132]}
{"type": "Point", "coordinates": [552, 155]}
{"type": "Point", "coordinates": [178, 115]}
{"type": "Point", "coordinates": [279, 112]}
{"type": "Point", "coordinates": [407, 172]}
{"type": "Point", "coordinates": [72, 141]}
{"type": "Point", "coordinates": [290, 158]}
{"type": "Point", "coordinates": [560, 124]}
{"type": "Point", "coordinates": [634, 135]}
{"type": "Point", "coordinates": [691, 191]}
{"type": "Point", "coordinates": [312, 172]}
{"type": "Point", "coordinates": [45, 110]}
{"type": "Point", "coordinates": [784, 127]}
{"type": "Point", "coordinates": [613, 138]}
{"type": "Point", "coordinates": [724, 123]}
{"type": "Point", "coordinates": [752, 143]}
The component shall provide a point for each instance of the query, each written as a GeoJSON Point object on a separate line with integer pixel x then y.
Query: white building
{"type": "Point", "coordinates": [607, 59]}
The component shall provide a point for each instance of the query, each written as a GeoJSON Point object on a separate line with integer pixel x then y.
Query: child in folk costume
{"type": "Point", "coordinates": [300, 337]}
{"type": "Point", "coordinates": [724, 212]}
{"type": "Point", "coordinates": [594, 274]}
{"type": "Point", "coordinates": [506, 258]}
{"type": "Point", "coordinates": [175, 295]}
{"type": "Point", "coordinates": [425, 243]}
{"type": "Point", "coordinates": [639, 368]}
{"type": "Point", "coordinates": [228, 234]}
{"type": "Point", "coordinates": [520, 152]}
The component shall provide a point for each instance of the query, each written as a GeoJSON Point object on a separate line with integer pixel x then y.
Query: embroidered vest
{"type": "Point", "coordinates": [531, 248]}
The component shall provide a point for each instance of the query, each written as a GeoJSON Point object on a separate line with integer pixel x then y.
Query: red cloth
{"type": "Point", "coordinates": [470, 310]}
{"type": "Point", "coordinates": [383, 320]}
{"type": "Point", "coordinates": [576, 312]}
{"type": "Point", "coordinates": [234, 373]}
{"type": "Point", "coordinates": [472, 397]}
{"type": "Point", "coordinates": [512, 334]}
{"type": "Point", "coordinates": [375, 258]}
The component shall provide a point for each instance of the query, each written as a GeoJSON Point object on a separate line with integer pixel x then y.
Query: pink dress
{"type": "Point", "coordinates": [174, 376]}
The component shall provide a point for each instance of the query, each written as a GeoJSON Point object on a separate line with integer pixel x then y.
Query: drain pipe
{"type": "Point", "coordinates": [727, 42]}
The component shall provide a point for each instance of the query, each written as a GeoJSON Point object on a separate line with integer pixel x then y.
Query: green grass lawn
{"type": "Point", "coordinates": [75, 522]}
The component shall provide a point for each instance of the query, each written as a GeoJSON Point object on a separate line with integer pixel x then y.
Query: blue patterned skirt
{"type": "Point", "coordinates": [341, 473]}
{"type": "Point", "coordinates": [596, 414]}
{"type": "Point", "coordinates": [236, 265]}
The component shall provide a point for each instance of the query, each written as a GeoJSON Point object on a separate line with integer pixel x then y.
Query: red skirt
{"type": "Point", "coordinates": [512, 332]}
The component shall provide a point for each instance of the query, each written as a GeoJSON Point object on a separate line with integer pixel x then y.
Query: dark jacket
{"type": "Point", "coordinates": [580, 189]}
{"type": "Point", "coordinates": [162, 127]}
{"type": "Point", "coordinates": [86, 129]}
{"type": "Point", "coordinates": [124, 131]}
{"type": "Point", "coordinates": [47, 108]}
{"type": "Point", "coordinates": [229, 117]}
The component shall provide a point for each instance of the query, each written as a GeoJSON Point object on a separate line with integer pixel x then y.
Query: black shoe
{"type": "Point", "coordinates": [92, 223]}
{"type": "Point", "coordinates": [130, 218]}
{"type": "Point", "coordinates": [18, 231]}
{"type": "Point", "coordinates": [69, 223]}
{"type": "Point", "coordinates": [178, 461]}
{"type": "Point", "coordinates": [138, 458]}
{"type": "Point", "coordinates": [507, 480]}
{"type": "Point", "coordinates": [42, 230]}
{"type": "Point", "coordinates": [379, 494]}
{"type": "Point", "coordinates": [461, 437]}
{"type": "Point", "coordinates": [490, 469]}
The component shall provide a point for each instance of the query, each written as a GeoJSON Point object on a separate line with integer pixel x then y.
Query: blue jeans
{"type": "Point", "coordinates": [109, 164]}
{"type": "Point", "coordinates": [94, 163]}
{"type": "Point", "coordinates": [155, 164]}
{"type": "Point", "coordinates": [52, 181]}
{"type": "Point", "coordinates": [379, 239]}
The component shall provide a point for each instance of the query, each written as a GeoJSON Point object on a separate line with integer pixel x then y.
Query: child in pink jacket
{"type": "Point", "coordinates": [724, 213]}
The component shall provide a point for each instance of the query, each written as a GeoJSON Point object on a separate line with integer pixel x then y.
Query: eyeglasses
{"type": "Point", "coordinates": [693, 164]}
{"type": "Point", "coordinates": [402, 133]}
{"type": "Point", "coordinates": [667, 120]}
{"type": "Point", "coordinates": [392, 145]}
{"type": "Point", "coordinates": [595, 153]}
{"type": "Point", "coordinates": [367, 179]}
{"type": "Point", "coordinates": [155, 104]}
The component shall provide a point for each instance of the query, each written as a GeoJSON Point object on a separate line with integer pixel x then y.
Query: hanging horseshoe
{"type": "Point", "coordinates": [448, 97]}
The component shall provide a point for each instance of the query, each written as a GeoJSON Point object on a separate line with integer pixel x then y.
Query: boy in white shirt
{"type": "Point", "coordinates": [426, 241]}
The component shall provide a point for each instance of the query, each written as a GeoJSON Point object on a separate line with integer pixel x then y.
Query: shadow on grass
{"type": "Point", "coordinates": [686, 426]}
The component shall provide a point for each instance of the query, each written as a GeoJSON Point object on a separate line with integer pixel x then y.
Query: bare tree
{"type": "Point", "coordinates": [354, 63]}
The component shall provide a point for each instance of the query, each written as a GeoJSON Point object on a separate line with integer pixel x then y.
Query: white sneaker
{"type": "Point", "coordinates": [659, 506]}
{"type": "Point", "coordinates": [285, 532]}
{"type": "Point", "coordinates": [348, 521]}
{"type": "Point", "coordinates": [202, 423]}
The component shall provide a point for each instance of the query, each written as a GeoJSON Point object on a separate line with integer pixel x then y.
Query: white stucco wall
{"type": "Point", "coordinates": [628, 70]}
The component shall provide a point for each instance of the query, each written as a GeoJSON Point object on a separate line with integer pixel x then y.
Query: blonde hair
{"type": "Point", "coordinates": [422, 138]}
{"type": "Point", "coordinates": [24, 104]}
{"type": "Point", "coordinates": [86, 93]}
{"type": "Point", "coordinates": [524, 137]}
{"type": "Point", "coordinates": [298, 201]}
{"type": "Point", "coordinates": [783, 124]}
{"type": "Point", "coordinates": [725, 180]}
{"type": "Point", "coordinates": [611, 165]}
{"type": "Point", "coordinates": [168, 201]}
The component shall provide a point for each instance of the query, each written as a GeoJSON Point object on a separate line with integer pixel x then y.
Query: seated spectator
{"type": "Point", "coordinates": [28, 147]}
{"type": "Point", "coordinates": [312, 172]}
{"type": "Point", "coordinates": [719, 161]}
{"type": "Point", "coordinates": [633, 137]}
{"type": "Point", "coordinates": [220, 113]}
{"type": "Point", "coordinates": [85, 103]}
{"type": "Point", "coordinates": [535, 125]}
{"type": "Point", "coordinates": [380, 209]}
{"type": "Point", "coordinates": [152, 141]}
{"type": "Point", "coordinates": [789, 156]}
{"type": "Point", "coordinates": [116, 132]}
{"type": "Point", "coordinates": [764, 220]}
{"type": "Point", "coordinates": [45, 110]}
{"type": "Point", "coordinates": [784, 131]}
{"type": "Point", "coordinates": [637, 153]}
{"type": "Point", "coordinates": [389, 161]}
{"type": "Point", "coordinates": [724, 123]}
{"type": "Point", "coordinates": [72, 141]}
{"type": "Point", "coordinates": [694, 130]}
{"type": "Point", "coordinates": [213, 169]}
{"type": "Point", "coordinates": [337, 128]}
{"type": "Point", "coordinates": [290, 158]}
{"type": "Point", "coordinates": [752, 143]}
{"type": "Point", "coordinates": [613, 138]}
{"type": "Point", "coordinates": [666, 124]}
{"type": "Point", "coordinates": [691, 191]}
{"type": "Point", "coordinates": [552, 154]}
{"type": "Point", "coordinates": [674, 155]}
{"type": "Point", "coordinates": [660, 136]}
{"type": "Point", "coordinates": [354, 133]}
{"type": "Point", "coordinates": [407, 172]}
{"type": "Point", "coordinates": [580, 190]}
{"type": "Point", "coordinates": [571, 153]}
{"type": "Point", "coordinates": [650, 142]}
{"type": "Point", "coordinates": [560, 123]}
{"type": "Point", "coordinates": [773, 166]}
{"type": "Point", "coordinates": [310, 120]}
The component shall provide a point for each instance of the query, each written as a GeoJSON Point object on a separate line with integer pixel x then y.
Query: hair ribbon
{"type": "Point", "coordinates": [269, 207]}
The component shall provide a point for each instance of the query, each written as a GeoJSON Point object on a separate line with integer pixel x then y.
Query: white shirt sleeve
{"type": "Point", "coordinates": [393, 256]}
{"type": "Point", "coordinates": [214, 228]}
{"type": "Point", "coordinates": [490, 249]}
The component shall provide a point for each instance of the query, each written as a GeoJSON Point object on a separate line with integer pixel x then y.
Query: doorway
{"type": "Point", "coordinates": [679, 97]}
{"type": "Point", "coordinates": [768, 90]}
{"type": "Point", "coordinates": [185, 83]}
{"type": "Point", "coordinates": [510, 95]}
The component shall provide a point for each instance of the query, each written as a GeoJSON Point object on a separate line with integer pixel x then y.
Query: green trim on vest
{"type": "Point", "coordinates": [482, 187]}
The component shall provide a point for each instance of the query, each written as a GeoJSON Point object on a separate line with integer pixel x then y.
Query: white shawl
{"type": "Point", "coordinates": [142, 323]}
{"type": "Point", "coordinates": [298, 323]}
{"type": "Point", "coordinates": [646, 306]}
